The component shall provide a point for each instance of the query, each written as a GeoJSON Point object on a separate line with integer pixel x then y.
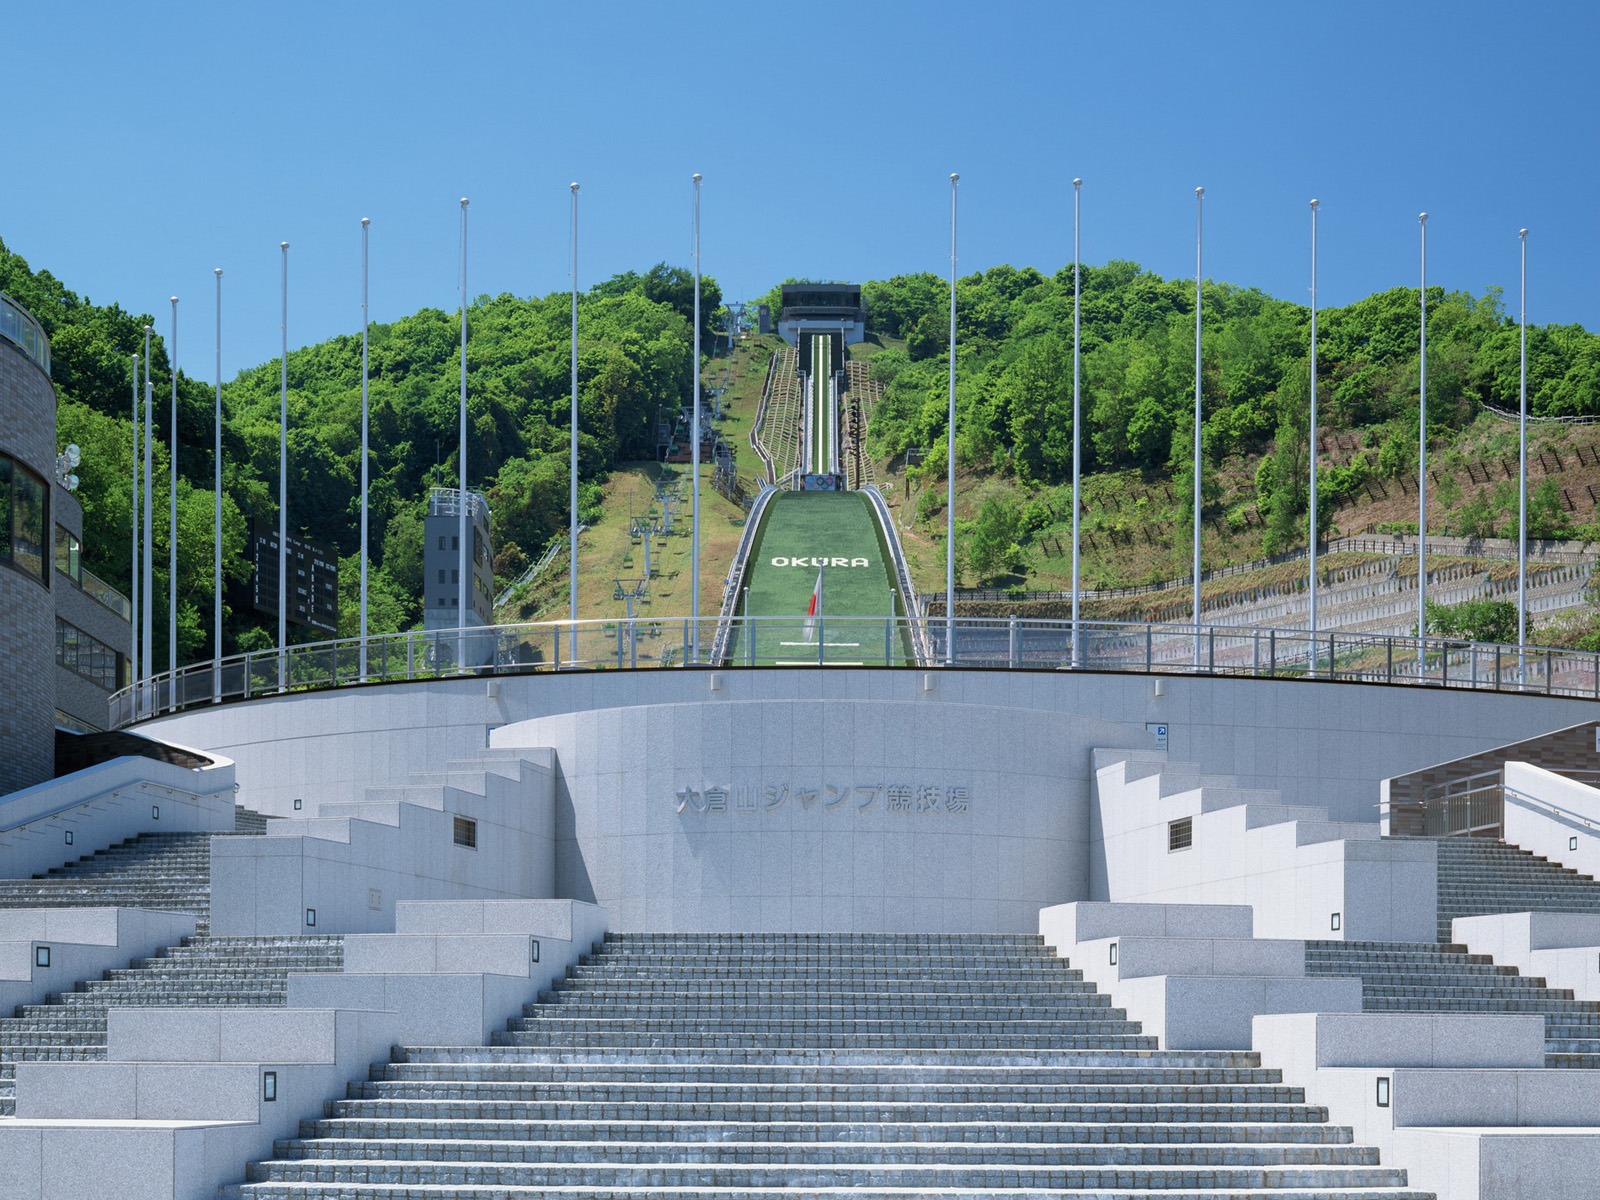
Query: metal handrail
{"type": "Point", "coordinates": [980, 643]}
{"type": "Point", "coordinates": [1567, 813]}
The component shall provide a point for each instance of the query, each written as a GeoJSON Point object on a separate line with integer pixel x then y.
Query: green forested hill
{"type": "Point", "coordinates": [1014, 389]}
{"type": "Point", "coordinates": [633, 364]}
{"type": "Point", "coordinates": [1014, 400]}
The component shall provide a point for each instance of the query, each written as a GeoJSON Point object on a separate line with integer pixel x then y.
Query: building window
{"type": "Point", "coordinates": [455, 542]}
{"type": "Point", "coordinates": [69, 555]}
{"type": "Point", "coordinates": [24, 519]}
{"type": "Point", "coordinates": [1180, 834]}
{"type": "Point", "coordinates": [466, 833]}
{"type": "Point", "coordinates": [88, 656]}
{"type": "Point", "coordinates": [441, 541]}
{"type": "Point", "coordinates": [441, 574]}
{"type": "Point", "coordinates": [455, 575]}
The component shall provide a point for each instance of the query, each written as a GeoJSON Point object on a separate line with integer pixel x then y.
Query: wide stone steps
{"type": "Point", "coordinates": [959, 1058]}
{"type": "Point", "coordinates": [1477, 876]}
{"type": "Point", "coordinates": [226, 973]}
{"type": "Point", "coordinates": [1112, 1136]}
{"type": "Point", "coordinates": [820, 1093]}
{"type": "Point", "coordinates": [989, 1153]}
{"type": "Point", "coordinates": [767, 1175]}
{"type": "Point", "coordinates": [775, 1066]}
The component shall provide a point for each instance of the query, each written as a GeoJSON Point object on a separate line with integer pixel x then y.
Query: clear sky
{"type": "Point", "coordinates": [145, 145]}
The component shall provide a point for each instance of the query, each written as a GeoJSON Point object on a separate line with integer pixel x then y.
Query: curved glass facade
{"type": "Point", "coordinates": [18, 327]}
{"type": "Point", "coordinates": [24, 519]}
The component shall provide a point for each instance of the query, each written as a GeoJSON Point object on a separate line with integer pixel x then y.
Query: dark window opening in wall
{"type": "Point", "coordinates": [1180, 834]}
{"type": "Point", "coordinates": [88, 656]}
{"type": "Point", "coordinates": [466, 831]}
{"type": "Point", "coordinates": [24, 520]}
{"type": "Point", "coordinates": [69, 555]}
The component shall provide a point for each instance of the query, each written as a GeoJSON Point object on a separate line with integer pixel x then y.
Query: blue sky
{"type": "Point", "coordinates": [147, 145]}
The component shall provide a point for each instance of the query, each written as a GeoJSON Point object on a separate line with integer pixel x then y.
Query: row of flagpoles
{"type": "Point", "coordinates": [143, 540]}
{"type": "Point", "coordinates": [1077, 425]}
{"type": "Point", "coordinates": [142, 573]}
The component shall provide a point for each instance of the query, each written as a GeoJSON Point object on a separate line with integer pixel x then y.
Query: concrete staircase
{"type": "Point", "coordinates": [169, 872]}
{"type": "Point", "coordinates": [1418, 978]}
{"type": "Point", "coordinates": [201, 973]}
{"type": "Point", "coordinates": [1479, 876]}
{"type": "Point", "coordinates": [760, 1065]}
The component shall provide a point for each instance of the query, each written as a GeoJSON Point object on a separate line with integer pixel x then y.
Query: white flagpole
{"type": "Point", "coordinates": [366, 224]}
{"type": "Point", "coordinates": [572, 531]}
{"type": "Point", "coordinates": [950, 456]}
{"type": "Point", "coordinates": [1312, 575]}
{"type": "Point", "coordinates": [133, 556]}
{"type": "Point", "coordinates": [149, 522]}
{"type": "Point", "coordinates": [216, 512]}
{"type": "Point", "coordinates": [466, 589]}
{"type": "Point", "coordinates": [1077, 417]}
{"type": "Point", "coordinates": [1522, 473]}
{"type": "Point", "coordinates": [1199, 205]}
{"type": "Point", "coordinates": [172, 521]}
{"type": "Point", "coordinates": [694, 436]}
{"type": "Point", "coordinates": [283, 479]}
{"type": "Point", "coordinates": [1422, 459]}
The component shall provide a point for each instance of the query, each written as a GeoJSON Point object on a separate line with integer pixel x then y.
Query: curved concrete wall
{"type": "Point", "coordinates": [631, 747]}
{"type": "Point", "coordinates": [781, 814]}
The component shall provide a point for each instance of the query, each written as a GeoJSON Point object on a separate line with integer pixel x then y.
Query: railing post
{"type": "Point", "coordinates": [1149, 647]}
{"type": "Point", "coordinates": [1499, 677]}
{"type": "Point", "coordinates": [888, 641]}
{"type": "Point", "coordinates": [633, 642]}
{"type": "Point", "coordinates": [685, 642]}
{"type": "Point", "coordinates": [1444, 661]}
{"type": "Point", "coordinates": [1211, 649]}
{"type": "Point", "coordinates": [555, 642]}
{"type": "Point", "coordinates": [1011, 650]}
{"type": "Point", "coordinates": [1547, 673]}
{"type": "Point", "coordinates": [1389, 667]}
{"type": "Point", "coordinates": [1272, 650]}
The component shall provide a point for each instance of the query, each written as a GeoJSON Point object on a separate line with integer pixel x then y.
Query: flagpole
{"type": "Point", "coordinates": [1312, 574]}
{"type": "Point", "coordinates": [465, 588]}
{"type": "Point", "coordinates": [172, 520]}
{"type": "Point", "coordinates": [694, 436]}
{"type": "Point", "coordinates": [1522, 473]}
{"type": "Point", "coordinates": [149, 525]}
{"type": "Point", "coordinates": [1422, 458]}
{"type": "Point", "coordinates": [950, 456]}
{"type": "Point", "coordinates": [1199, 206]}
{"type": "Point", "coordinates": [1077, 417]}
{"type": "Point", "coordinates": [572, 532]}
{"type": "Point", "coordinates": [133, 555]}
{"type": "Point", "coordinates": [283, 479]}
{"type": "Point", "coordinates": [366, 224]}
{"type": "Point", "coordinates": [216, 512]}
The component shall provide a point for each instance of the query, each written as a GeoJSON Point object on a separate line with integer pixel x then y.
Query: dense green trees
{"type": "Point", "coordinates": [633, 368]}
{"type": "Point", "coordinates": [1014, 391]}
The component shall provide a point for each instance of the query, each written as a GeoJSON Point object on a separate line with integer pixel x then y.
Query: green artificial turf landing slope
{"type": "Point", "coordinates": [804, 532]}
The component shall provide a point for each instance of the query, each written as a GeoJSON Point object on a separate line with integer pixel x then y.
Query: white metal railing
{"type": "Point", "coordinates": [730, 585]}
{"type": "Point", "coordinates": [980, 643]}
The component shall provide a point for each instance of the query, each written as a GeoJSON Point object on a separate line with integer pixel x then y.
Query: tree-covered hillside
{"type": "Point", "coordinates": [1014, 401]}
{"type": "Point", "coordinates": [1014, 382]}
{"type": "Point", "coordinates": [633, 365]}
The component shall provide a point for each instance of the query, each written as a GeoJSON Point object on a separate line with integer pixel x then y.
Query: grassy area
{"type": "Point", "coordinates": [608, 552]}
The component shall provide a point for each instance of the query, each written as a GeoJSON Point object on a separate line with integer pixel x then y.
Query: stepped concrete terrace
{"type": "Point", "coordinates": [756, 1065]}
{"type": "Point", "coordinates": [1480, 876]}
{"type": "Point", "coordinates": [163, 871]}
{"type": "Point", "coordinates": [169, 872]}
{"type": "Point", "coordinates": [1413, 977]}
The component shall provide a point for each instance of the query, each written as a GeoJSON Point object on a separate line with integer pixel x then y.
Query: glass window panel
{"type": "Point", "coordinates": [28, 522]}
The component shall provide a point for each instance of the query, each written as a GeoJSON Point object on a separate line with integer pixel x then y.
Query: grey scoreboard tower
{"type": "Point", "coordinates": [442, 593]}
